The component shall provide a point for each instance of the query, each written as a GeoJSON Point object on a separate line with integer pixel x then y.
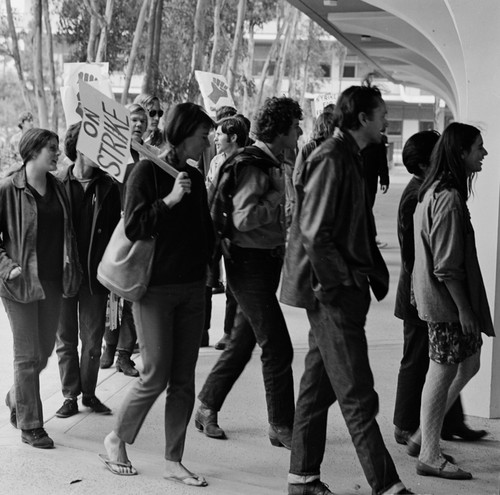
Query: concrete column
{"type": "Point", "coordinates": [466, 35]}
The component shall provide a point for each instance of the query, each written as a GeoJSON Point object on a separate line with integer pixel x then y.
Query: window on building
{"type": "Point", "coordinates": [349, 70]}
{"type": "Point", "coordinates": [426, 125]}
{"type": "Point", "coordinates": [395, 128]}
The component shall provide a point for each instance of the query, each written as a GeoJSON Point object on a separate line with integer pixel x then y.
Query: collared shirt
{"type": "Point", "coordinates": [445, 249]}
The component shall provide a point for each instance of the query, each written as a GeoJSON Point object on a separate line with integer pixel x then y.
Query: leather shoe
{"type": "Point", "coordinates": [402, 436]}
{"type": "Point", "coordinates": [37, 437]}
{"type": "Point", "coordinates": [223, 342]}
{"type": "Point", "coordinates": [280, 436]}
{"type": "Point", "coordinates": [413, 450]}
{"type": "Point", "coordinates": [316, 487]}
{"type": "Point", "coordinates": [108, 356]}
{"type": "Point", "coordinates": [463, 432]}
{"type": "Point", "coordinates": [205, 421]}
{"type": "Point", "coordinates": [13, 414]}
{"type": "Point", "coordinates": [442, 472]}
{"type": "Point", "coordinates": [125, 365]}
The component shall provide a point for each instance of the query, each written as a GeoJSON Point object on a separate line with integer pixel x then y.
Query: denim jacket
{"type": "Point", "coordinates": [445, 249]}
{"type": "Point", "coordinates": [18, 230]}
{"type": "Point", "coordinates": [332, 236]}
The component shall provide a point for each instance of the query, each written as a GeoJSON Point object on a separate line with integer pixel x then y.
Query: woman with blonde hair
{"type": "Point", "coordinates": [152, 106]}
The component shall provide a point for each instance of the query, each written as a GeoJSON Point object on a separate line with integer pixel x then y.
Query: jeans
{"type": "Point", "coordinates": [411, 379]}
{"type": "Point", "coordinates": [169, 321]}
{"type": "Point", "coordinates": [253, 277]}
{"type": "Point", "coordinates": [125, 336]}
{"type": "Point", "coordinates": [337, 368]}
{"type": "Point", "coordinates": [34, 327]}
{"type": "Point", "coordinates": [85, 314]}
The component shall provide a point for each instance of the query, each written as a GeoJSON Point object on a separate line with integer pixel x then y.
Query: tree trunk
{"type": "Point", "coordinates": [217, 26]}
{"type": "Point", "coordinates": [103, 38]}
{"type": "Point", "coordinates": [54, 112]}
{"type": "Point", "coordinates": [147, 81]}
{"type": "Point", "coordinates": [157, 46]}
{"type": "Point", "coordinates": [248, 70]}
{"type": "Point", "coordinates": [17, 57]}
{"type": "Point", "coordinates": [270, 56]}
{"type": "Point", "coordinates": [38, 65]}
{"type": "Point", "coordinates": [306, 63]}
{"type": "Point", "coordinates": [290, 26]}
{"type": "Point", "coordinates": [231, 75]}
{"type": "Point", "coordinates": [133, 52]}
{"type": "Point", "coordinates": [294, 66]}
{"type": "Point", "coordinates": [198, 39]}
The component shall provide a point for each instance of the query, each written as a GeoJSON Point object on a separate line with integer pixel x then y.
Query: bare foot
{"type": "Point", "coordinates": [115, 448]}
{"type": "Point", "coordinates": [177, 472]}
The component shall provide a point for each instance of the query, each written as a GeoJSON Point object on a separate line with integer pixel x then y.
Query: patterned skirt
{"type": "Point", "coordinates": [448, 345]}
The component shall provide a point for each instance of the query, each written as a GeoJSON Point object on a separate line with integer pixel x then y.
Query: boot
{"type": "Point", "coordinates": [125, 365]}
{"type": "Point", "coordinates": [205, 421]}
{"type": "Point", "coordinates": [108, 356]}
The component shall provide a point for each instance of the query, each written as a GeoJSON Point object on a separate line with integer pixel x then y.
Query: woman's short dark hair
{"type": "Point", "coordinates": [33, 141]}
{"type": "Point", "coordinates": [324, 126]}
{"type": "Point", "coordinates": [235, 126]}
{"type": "Point", "coordinates": [447, 162]}
{"type": "Point", "coordinates": [183, 120]}
{"type": "Point", "coordinates": [224, 112]}
{"type": "Point", "coordinates": [276, 117]}
{"type": "Point", "coordinates": [70, 141]}
{"type": "Point", "coordinates": [418, 149]}
{"type": "Point", "coordinates": [353, 101]}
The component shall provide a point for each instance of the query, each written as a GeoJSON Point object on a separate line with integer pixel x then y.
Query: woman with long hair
{"type": "Point", "coordinates": [169, 318]}
{"type": "Point", "coordinates": [448, 288]}
{"type": "Point", "coordinates": [38, 266]}
{"type": "Point", "coordinates": [152, 106]}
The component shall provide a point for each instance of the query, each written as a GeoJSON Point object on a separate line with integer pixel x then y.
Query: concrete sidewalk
{"type": "Point", "coordinates": [245, 463]}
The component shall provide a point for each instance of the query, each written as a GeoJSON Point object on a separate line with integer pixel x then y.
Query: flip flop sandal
{"type": "Point", "coordinates": [119, 468]}
{"type": "Point", "coordinates": [193, 480]}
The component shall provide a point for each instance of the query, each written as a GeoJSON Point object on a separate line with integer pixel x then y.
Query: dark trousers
{"type": "Point", "coordinates": [84, 315]}
{"type": "Point", "coordinates": [253, 277]}
{"type": "Point", "coordinates": [34, 328]}
{"type": "Point", "coordinates": [337, 369]}
{"type": "Point", "coordinates": [169, 326]}
{"type": "Point", "coordinates": [230, 314]}
{"type": "Point", "coordinates": [411, 379]}
{"type": "Point", "coordinates": [125, 336]}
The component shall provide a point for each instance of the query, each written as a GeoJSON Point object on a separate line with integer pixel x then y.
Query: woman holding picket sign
{"type": "Point", "coordinates": [169, 317]}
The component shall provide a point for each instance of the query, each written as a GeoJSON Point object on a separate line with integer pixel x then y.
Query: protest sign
{"type": "Point", "coordinates": [95, 74]}
{"type": "Point", "coordinates": [214, 90]}
{"type": "Point", "coordinates": [105, 134]}
{"type": "Point", "coordinates": [321, 101]}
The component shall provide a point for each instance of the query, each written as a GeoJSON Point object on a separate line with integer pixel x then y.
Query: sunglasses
{"type": "Point", "coordinates": [153, 113]}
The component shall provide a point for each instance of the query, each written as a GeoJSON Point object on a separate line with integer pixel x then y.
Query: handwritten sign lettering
{"type": "Point", "coordinates": [105, 135]}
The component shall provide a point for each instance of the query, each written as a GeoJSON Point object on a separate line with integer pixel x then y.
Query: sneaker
{"type": "Point", "coordinates": [95, 404]}
{"type": "Point", "coordinates": [37, 437]}
{"type": "Point", "coordinates": [69, 408]}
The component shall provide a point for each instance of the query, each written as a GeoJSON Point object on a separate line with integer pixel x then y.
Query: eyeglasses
{"type": "Point", "coordinates": [153, 113]}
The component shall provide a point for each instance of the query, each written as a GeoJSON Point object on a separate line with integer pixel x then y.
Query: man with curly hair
{"type": "Point", "coordinates": [253, 243]}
